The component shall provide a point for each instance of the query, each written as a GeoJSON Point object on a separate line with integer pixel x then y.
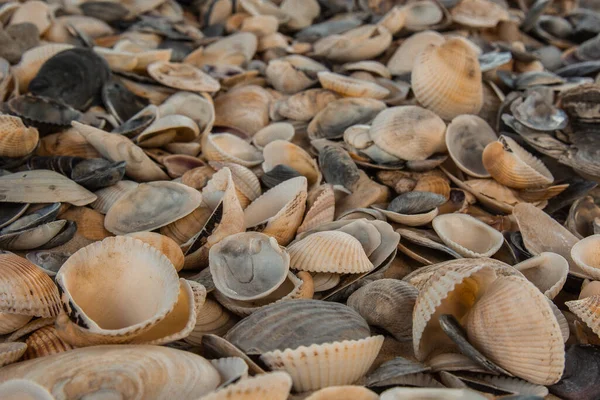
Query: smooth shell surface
{"type": "Point", "coordinates": [466, 138]}
{"type": "Point", "coordinates": [467, 235]}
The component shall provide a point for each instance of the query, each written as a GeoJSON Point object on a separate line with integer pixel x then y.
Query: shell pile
{"type": "Point", "coordinates": [300, 199]}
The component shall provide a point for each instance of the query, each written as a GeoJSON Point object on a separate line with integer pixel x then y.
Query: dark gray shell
{"type": "Point", "coordinates": [44, 113]}
{"type": "Point", "coordinates": [290, 324]}
{"type": "Point", "coordinates": [582, 372]}
{"type": "Point", "coordinates": [416, 202]}
{"type": "Point", "coordinates": [62, 164]}
{"type": "Point", "coordinates": [136, 124]}
{"type": "Point", "coordinates": [66, 234]}
{"type": "Point", "coordinates": [49, 261]}
{"type": "Point", "coordinates": [74, 77]}
{"type": "Point", "coordinates": [338, 167]}
{"type": "Point", "coordinates": [392, 369]}
{"type": "Point", "coordinates": [120, 101]}
{"type": "Point", "coordinates": [489, 61]}
{"type": "Point", "coordinates": [280, 173]}
{"type": "Point", "coordinates": [10, 212]}
{"type": "Point", "coordinates": [107, 11]}
{"type": "Point", "coordinates": [31, 220]}
{"type": "Point", "coordinates": [97, 173]}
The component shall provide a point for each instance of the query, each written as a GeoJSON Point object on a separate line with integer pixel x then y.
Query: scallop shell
{"type": "Point", "coordinates": [280, 152]}
{"type": "Point", "coordinates": [447, 79]}
{"type": "Point", "coordinates": [270, 133]}
{"type": "Point", "coordinates": [45, 342]}
{"type": "Point", "coordinates": [339, 115]}
{"type": "Point", "coordinates": [409, 132]}
{"type": "Point", "coordinates": [95, 285]}
{"type": "Point", "coordinates": [351, 87]}
{"type": "Point", "coordinates": [403, 59]}
{"type": "Point", "coordinates": [547, 271]}
{"type": "Point", "coordinates": [182, 77]}
{"type": "Point", "coordinates": [164, 244]}
{"type": "Point", "coordinates": [511, 165]}
{"type": "Point", "coordinates": [11, 352]}
{"type": "Point", "coordinates": [122, 369]}
{"type": "Point", "coordinates": [16, 140]}
{"type": "Point", "coordinates": [479, 13]}
{"type": "Point", "coordinates": [108, 196]}
{"type": "Point", "coordinates": [228, 147]}
{"type": "Point", "coordinates": [528, 342]}
{"type": "Point", "coordinates": [586, 256]}
{"type": "Point", "coordinates": [467, 235]}
{"type": "Point", "coordinates": [119, 148]}
{"type": "Point", "coordinates": [587, 310]}
{"type": "Point", "coordinates": [19, 389]}
{"type": "Point", "coordinates": [466, 138]}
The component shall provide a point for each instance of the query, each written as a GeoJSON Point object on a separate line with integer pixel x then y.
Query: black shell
{"type": "Point", "coordinates": [280, 173]}
{"type": "Point", "coordinates": [416, 202]}
{"type": "Point", "coordinates": [97, 173]}
{"type": "Point", "coordinates": [44, 113]}
{"type": "Point", "coordinates": [107, 11]}
{"type": "Point", "coordinates": [338, 167]}
{"type": "Point", "coordinates": [120, 101]}
{"type": "Point", "coordinates": [582, 372]}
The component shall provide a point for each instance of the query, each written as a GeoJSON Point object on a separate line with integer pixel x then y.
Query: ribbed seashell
{"type": "Point", "coordinates": [26, 290]}
{"type": "Point", "coordinates": [513, 166]}
{"type": "Point", "coordinates": [31, 326]}
{"type": "Point", "coordinates": [399, 393]}
{"type": "Point", "coordinates": [466, 138]}
{"type": "Point", "coordinates": [165, 201]}
{"type": "Point", "coordinates": [321, 208]}
{"type": "Point", "coordinates": [167, 129]}
{"type": "Point", "coordinates": [282, 152]}
{"type": "Point", "coordinates": [67, 143]}
{"type": "Point", "coordinates": [447, 79]}
{"type": "Point", "coordinates": [250, 118]}
{"type": "Point", "coordinates": [108, 196]}
{"type": "Point", "coordinates": [351, 87]}
{"type": "Point", "coordinates": [118, 148]}
{"type": "Point", "coordinates": [588, 310]}
{"type": "Point", "coordinates": [293, 73]}
{"type": "Point", "coordinates": [587, 257]}
{"type": "Point", "coordinates": [582, 215]}
{"type": "Point", "coordinates": [19, 389]}
{"type": "Point", "coordinates": [409, 132]}
{"type": "Point", "coordinates": [182, 77]}
{"type": "Point", "coordinates": [467, 235]}
{"type": "Point", "coordinates": [212, 319]}
{"type": "Point", "coordinates": [248, 266]}
{"type": "Point", "coordinates": [16, 140]}
{"type": "Point", "coordinates": [97, 282]}
{"type": "Point", "coordinates": [330, 251]}
{"type": "Point", "coordinates": [302, 106]}
{"type": "Point", "coordinates": [522, 336]}
{"type": "Point", "coordinates": [228, 147]}
{"type": "Point", "coordinates": [11, 322]}
{"type": "Point", "coordinates": [279, 211]}
{"type": "Point", "coordinates": [197, 178]}
{"type": "Point", "coordinates": [547, 271]}
{"type": "Point", "coordinates": [344, 392]}
{"type": "Point", "coordinates": [123, 369]}
{"type": "Point", "coordinates": [164, 244]}
{"type": "Point", "coordinates": [403, 59]}
{"type": "Point", "coordinates": [269, 386]}
{"type": "Point", "coordinates": [433, 184]}
{"type": "Point", "coordinates": [11, 352]}
{"type": "Point", "coordinates": [270, 133]}
{"type": "Point", "coordinates": [387, 304]}
{"type": "Point", "coordinates": [479, 13]}
{"type": "Point", "coordinates": [362, 43]}
{"type": "Point", "coordinates": [247, 185]}
{"type": "Point", "coordinates": [45, 342]}
{"type": "Point", "coordinates": [332, 121]}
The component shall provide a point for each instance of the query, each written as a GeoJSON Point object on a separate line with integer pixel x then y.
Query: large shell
{"type": "Point", "coordinates": [362, 43]}
{"type": "Point", "coordinates": [466, 138]}
{"type": "Point", "coordinates": [11, 352]}
{"type": "Point", "coordinates": [108, 196]}
{"type": "Point", "coordinates": [98, 281]}
{"type": "Point", "coordinates": [270, 133]}
{"type": "Point", "coordinates": [403, 59]}
{"type": "Point", "coordinates": [586, 255]}
{"type": "Point", "coordinates": [164, 244]}
{"type": "Point", "coordinates": [409, 132]}
{"type": "Point", "coordinates": [547, 271]}
{"type": "Point", "coordinates": [447, 79]}
{"type": "Point", "coordinates": [33, 59]}
{"type": "Point", "coordinates": [250, 118]}
{"type": "Point", "coordinates": [19, 389]}
{"type": "Point", "coordinates": [281, 152]}
{"type": "Point", "coordinates": [228, 147]}
{"type": "Point", "coordinates": [16, 140]}
{"type": "Point", "coordinates": [479, 13]}
{"type": "Point", "coordinates": [248, 266]}
{"type": "Point", "coordinates": [467, 235]}
{"type": "Point", "coordinates": [150, 206]}
{"type": "Point", "coordinates": [513, 166]}
{"type": "Point", "coordinates": [523, 336]}
{"type": "Point", "coordinates": [147, 372]}
{"type": "Point", "coordinates": [182, 77]}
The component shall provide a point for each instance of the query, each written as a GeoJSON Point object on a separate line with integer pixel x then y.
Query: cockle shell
{"type": "Point", "coordinates": [120, 370]}
{"type": "Point", "coordinates": [230, 148]}
{"type": "Point", "coordinates": [447, 79]}
{"type": "Point", "coordinates": [479, 13]}
{"type": "Point", "coordinates": [466, 138]}
{"type": "Point", "coordinates": [433, 184]}
{"type": "Point", "coordinates": [282, 152]}
{"type": "Point", "coordinates": [587, 309]}
{"type": "Point", "coordinates": [586, 256]}
{"type": "Point", "coordinates": [403, 59]}
{"type": "Point", "coordinates": [351, 87]}
{"type": "Point", "coordinates": [302, 106]}
{"type": "Point", "coordinates": [247, 185]}
{"type": "Point", "coordinates": [23, 389]}
{"type": "Point", "coordinates": [269, 386]}
{"type": "Point", "coordinates": [547, 271]}
{"type": "Point", "coordinates": [467, 235]}
{"type": "Point", "coordinates": [16, 140]}
{"type": "Point", "coordinates": [250, 118]}
{"type": "Point", "coordinates": [321, 208]}
{"type": "Point", "coordinates": [164, 244]}
{"type": "Point", "coordinates": [45, 342]}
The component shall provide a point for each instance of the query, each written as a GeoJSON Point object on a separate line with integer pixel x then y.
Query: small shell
{"type": "Point", "coordinates": [228, 147]}
{"type": "Point", "coordinates": [12, 322]}
{"type": "Point", "coordinates": [198, 107]}
{"type": "Point", "coordinates": [403, 59]}
{"type": "Point", "coordinates": [447, 79]}
{"type": "Point", "coordinates": [547, 271]}
{"type": "Point", "coordinates": [271, 386]}
{"type": "Point", "coordinates": [213, 319]}
{"type": "Point", "coordinates": [430, 394]}
{"type": "Point", "coordinates": [351, 87]}
{"type": "Point", "coordinates": [11, 352]}
{"type": "Point", "coordinates": [587, 309]}
{"type": "Point", "coordinates": [49, 261]}
{"type": "Point", "coordinates": [345, 392]}
{"type": "Point", "coordinates": [280, 152]}
{"type": "Point", "coordinates": [467, 235]}
{"type": "Point", "coordinates": [35, 12]}
{"type": "Point", "coordinates": [362, 43]}
{"type": "Point", "coordinates": [108, 196]}
{"type": "Point", "coordinates": [250, 118]}
{"type": "Point", "coordinates": [479, 13]}
{"type": "Point", "coordinates": [67, 143]}
{"type": "Point", "coordinates": [16, 140]}
{"type": "Point", "coordinates": [164, 244]}
{"type": "Point", "coordinates": [45, 342]}
{"type": "Point", "coordinates": [586, 255]}
{"type": "Point", "coordinates": [338, 167]}
{"type": "Point", "coordinates": [170, 128]}
{"type": "Point", "coordinates": [303, 106]}
{"type": "Point", "coordinates": [433, 184]}
{"type": "Point", "coordinates": [466, 138]}
{"type": "Point", "coordinates": [247, 185]}
{"type": "Point", "coordinates": [270, 133]}
{"type": "Point", "coordinates": [321, 208]}
{"type": "Point", "coordinates": [423, 14]}
{"type": "Point", "coordinates": [513, 166]}
{"type": "Point", "coordinates": [292, 74]}
{"type": "Point", "coordinates": [182, 76]}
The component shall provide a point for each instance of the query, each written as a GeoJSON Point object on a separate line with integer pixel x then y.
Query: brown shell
{"type": "Point", "coordinates": [44, 342]}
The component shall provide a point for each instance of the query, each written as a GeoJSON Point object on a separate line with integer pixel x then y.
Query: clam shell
{"type": "Point", "coordinates": [11, 352]}
{"type": "Point", "coordinates": [197, 178]}
{"type": "Point", "coordinates": [164, 244]}
{"type": "Point", "coordinates": [26, 289]}
{"type": "Point", "coordinates": [403, 59]}
{"type": "Point", "coordinates": [213, 319]}
{"type": "Point", "coordinates": [536, 112]}
{"type": "Point", "coordinates": [200, 108]}
{"type": "Point", "coordinates": [338, 115]}
{"type": "Point", "coordinates": [170, 128]}
{"type": "Point", "coordinates": [179, 164]}
{"type": "Point", "coordinates": [466, 138]}
{"type": "Point", "coordinates": [547, 271]}
{"type": "Point", "coordinates": [250, 118]}
{"type": "Point", "coordinates": [351, 87]}
{"type": "Point", "coordinates": [447, 79]}
{"type": "Point", "coordinates": [271, 386]}
{"type": "Point", "coordinates": [12, 322]}
{"type": "Point", "coordinates": [108, 196]}
{"type": "Point", "coordinates": [270, 133]}
{"type": "Point", "coordinates": [479, 13]}
{"type": "Point", "coordinates": [16, 139]}
{"type": "Point", "coordinates": [387, 304]}
{"type": "Point", "coordinates": [34, 12]}
{"type": "Point", "coordinates": [119, 148]}
{"type": "Point", "coordinates": [11, 212]}
{"type": "Point", "coordinates": [95, 284]}
{"type": "Point", "coordinates": [409, 132]}
{"type": "Point", "coordinates": [182, 76]}
{"type": "Point", "coordinates": [537, 355]}
{"type": "Point", "coordinates": [277, 175]}
{"type": "Point", "coordinates": [33, 59]}
{"type": "Point", "coordinates": [433, 184]}
{"type": "Point", "coordinates": [45, 342]}
{"type": "Point", "coordinates": [324, 281]}
{"type": "Point", "coordinates": [349, 391]}
{"type": "Point", "coordinates": [338, 167]}
{"type": "Point", "coordinates": [46, 114]}
{"type": "Point", "coordinates": [247, 185]}
{"type": "Point", "coordinates": [292, 74]}
{"type": "Point", "coordinates": [582, 215]}
{"type": "Point", "coordinates": [248, 266]}
{"type": "Point", "coordinates": [467, 235]}
{"type": "Point", "coordinates": [34, 218]}
{"type": "Point", "coordinates": [15, 389]}
{"type": "Point", "coordinates": [430, 394]}
{"type": "Point", "coordinates": [66, 143]}
{"type": "Point", "coordinates": [362, 43]}
{"type": "Point", "coordinates": [511, 165]}
{"type": "Point", "coordinates": [280, 152]}
{"type": "Point", "coordinates": [230, 148]}
{"type": "Point", "coordinates": [423, 14]}
{"type": "Point", "coordinates": [32, 238]}
{"type": "Point", "coordinates": [231, 369]}
{"type": "Point", "coordinates": [345, 362]}
{"type": "Point", "coordinates": [165, 201]}
{"type": "Point", "coordinates": [586, 256]}
{"type": "Point", "coordinates": [122, 368]}
{"type": "Point", "coordinates": [302, 106]}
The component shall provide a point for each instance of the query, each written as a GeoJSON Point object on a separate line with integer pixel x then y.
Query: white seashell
{"type": "Point", "coordinates": [547, 271]}
{"type": "Point", "coordinates": [467, 235]}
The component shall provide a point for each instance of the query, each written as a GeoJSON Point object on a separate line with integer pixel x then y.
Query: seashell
{"type": "Point", "coordinates": [536, 112]}
{"type": "Point", "coordinates": [27, 290]}
{"type": "Point", "coordinates": [231, 369]}
{"type": "Point", "coordinates": [321, 208]}
{"type": "Point", "coordinates": [250, 118]}
{"type": "Point", "coordinates": [16, 140]}
{"type": "Point", "coordinates": [213, 319]}
{"type": "Point", "coordinates": [422, 15]}
{"type": "Point", "coordinates": [62, 26]}
{"type": "Point", "coordinates": [293, 73]}
{"type": "Point", "coordinates": [125, 99]}
{"type": "Point", "coordinates": [177, 128]}
{"type": "Point", "coordinates": [200, 108]}
{"type": "Point", "coordinates": [430, 394]}
{"type": "Point", "coordinates": [108, 196]}
{"type": "Point", "coordinates": [408, 132]}
{"type": "Point", "coordinates": [585, 256]}
{"type": "Point", "coordinates": [447, 79]}
{"type": "Point", "coordinates": [89, 323]}
{"type": "Point", "coordinates": [454, 362]}
{"type": "Point", "coordinates": [15, 389]}
{"type": "Point", "coordinates": [179, 164]}
{"type": "Point", "coordinates": [338, 167]}
{"type": "Point", "coordinates": [66, 143]}
{"type": "Point", "coordinates": [10, 212]}
{"type": "Point", "coordinates": [490, 193]}
{"type": "Point", "coordinates": [535, 320]}
{"type": "Point", "coordinates": [32, 238]}
{"type": "Point", "coordinates": [336, 252]}
{"type": "Point", "coordinates": [48, 261]}
{"type": "Point", "coordinates": [339, 115]}
{"type": "Point", "coordinates": [248, 266]}
{"type": "Point", "coordinates": [260, 25]}
{"type": "Point", "coordinates": [403, 59]}
{"type": "Point", "coordinates": [372, 67]}
{"type": "Point", "coordinates": [324, 281]}
{"type": "Point", "coordinates": [182, 76]}
{"type": "Point", "coordinates": [277, 175]}
{"type": "Point", "coordinates": [33, 218]}
{"type": "Point", "coordinates": [42, 186]}
{"type": "Point", "coordinates": [191, 149]}
{"type": "Point", "coordinates": [279, 211]}
{"type": "Point", "coordinates": [433, 184]}
{"type": "Point", "coordinates": [280, 152]}
{"type": "Point", "coordinates": [301, 14]}
{"type": "Point", "coordinates": [11, 352]}
{"type": "Point", "coordinates": [582, 215]}
{"type": "Point", "coordinates": [230, 148]}
{"type": "Point", "coordinates": [272, 386]}
{"type": "Point", "coordinates": [235, 49]}
{"type": "Point", "coordinates": [351, 87]}
{"type": "Point", "coordinates": [60, 373]}
{"type": "Point", "coordinates": [46, 114]}
{"type": "Point", "coordinates": [35, 12]}
{"type": "Point", "coordinates": [273, 132]}
{"type": "Point", "coordinates": [513, 166]}
{"type": "Point", "coordinates": [467, 235]}
{"type": "Point", "coordinates": [247, 185]}
{"type": "Point", "coordinates": [33, 59]}
{"type": "Point", "coordinates": [586, 309]}
{"type": "Point", "coordinates": [547, 271]}
{"type": "Point", "coordinates": [303, 106]}
{"type": "Point", "coordinates": [479, 14]}
{"type": "Point", "coordinates": [45, 342]}
{"type": "Point", "coordinates": [119, 148]}
{"type": "Point", "coordinates": [198, 177]}
{"type": "Point", "coordinates": [389, 372]}
{"type": "Point", "coordinates": [129, 213]}
{"type": "Point", "coordinates": [347, 392]}
{"type": "Point", "coordinates": [362, 43]}
{"type": "Point", "coordinates": [117, 60]}
{"type": "Point", "coordinates": [165, 245]}
{"type": "Point", "coordinates": [387, 304]}
{"type": "Point", "coordinates": [466, 138]}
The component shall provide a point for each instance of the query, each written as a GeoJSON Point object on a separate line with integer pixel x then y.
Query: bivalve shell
{"type": "Point", "coordinates": [228, 147]}
{"type": "Point", "coordinates": [467, 235]}
{"type": "Point", "coordinates": [269, 386]}
{"type": "Point", "coordinates": [182, 77]}
{"type": "Point", "coordinates": [23, 389]}
{"type": "Point", "coordinates": [11, 352]}
{"type": "Point", "coordinates": [586, 254]}
{"type": "Point", "coordinates": [351, 87]}
{"type": "Point", "coordinates": [45, 342]}
{"type": "Point", "coordinates": [466, 138]}
{"type": "Point", "coordinates": [16, 139]}
{"type": "Point", "coordinates": [547, 271]}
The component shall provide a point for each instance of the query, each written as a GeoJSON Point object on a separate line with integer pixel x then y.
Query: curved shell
{"type": "Point", "coordinates": [66, 143]}
{"type": "Point", "coordinates": [447, 79]}
{"type": "Point", "coordinates": [388, 304]}
{"type": "Point", "coordinates": [338, 167]}
{"type": "Point", "coordinates": [588, 310]}
{"type": "Point", "coordinates": [228, 147]}
{"type": "Point", "coordinates": [98, 281]}
{"type": "Point", "coordinates": [182, 77]}
{"type": "Point", "coordinates": [410, 219]}
{"type": "Point", "coordinates": [122, 370]}
{"type": "Point", "coordinates": [586, 255]}
{"type": "Point", "coordinates": [400, 393]}
{"type": "Point", "coordinates": [164, 244]}
{"type": "Point", "coordinates": [25, 289]}
{"type": "Point", "coordinates": [16, 139]}
{"type": "Point", "coordinates": [250, 118]}
{"type": "Point", "coordinates": [362, 43]}
{"type": "Point", "coordinates": [292, 74]}
{"type": "Point", "coordinates": [33, 59]}
{"type": "Point", "coordinates": [109, 195]}
{"type": "Point", "coordinates": [11, 322]}
{"type": "Point", "coordinates": [248, 265]}
{"type": "Point", "coordinates": [338, 115]}
{"type": "Point", "coordinates": [403, 59]}
{"type": "Point", "coordinates": [212, 319]}
{"type": "Point", "coordinates": [247, 185]}
{"type": "Point", "coordinates": [547, 271]}
{"type": "Point", "coordinates": [198, 107]}
{"type": "Point", "coordinates": [467, 235]}
{"type": "Point", "coordinates": [270, 133]}
{"type": "Point", "coordinates": [479, 13]}
{"type": "Point", "coordinates": [45, 342]}
{"type": "Point", "coordinates": [351, 87]}
{"type": "Point", "coordinates": [23, 389]}
{"type": "Point", "coordinates": [167, 129]}
{"type": "Point", "coordinates": [150, 206]}
{"type": "Point", "coordinates": [321, 208]}
{"type": "Point", "coordinates": [466, 138]}
{"type": "Point", "coordinates": [269, 386]}
{"type": "Point", "coordinates": [523, 336]}
{"type": "Point", "coordinates": [409, 132]}
{"type": "Point", "coordinates": [513, 166]}
{"type": "Point", "coordinates": [281, 152]}
{"type": "Point", "coordinates": [11, 352]}
{"type": "Point", "coordinates": [433, 184]}
{"type": "Point", "coordinates": [231, 369]}
{"type": "Point", "coordinates": [302, 106]}
{"type": "Point", "coordinates": [32, 238]}
{"type": "Point", "coordinates": [346, 392]}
